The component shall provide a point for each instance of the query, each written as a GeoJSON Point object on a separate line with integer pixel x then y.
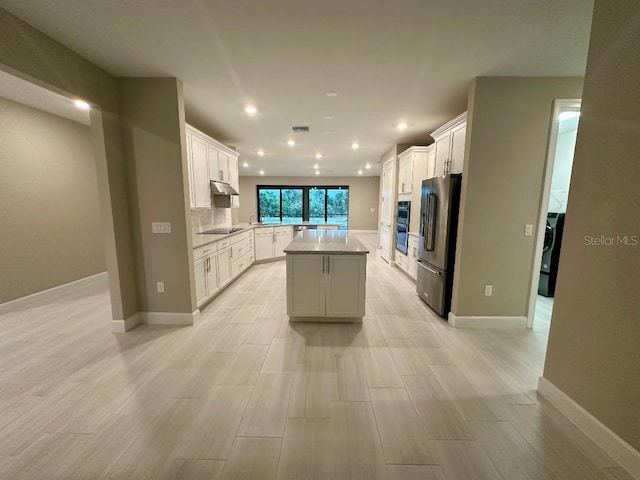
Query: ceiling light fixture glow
{"type": "Point", "coordinates": [291, 143]}
{"type": "Point", "coordinates": [402, 126]}
{"type": "Point", "coordinates": [245, 164]}
{"type": "Point", "coordinates": [359, 172]}
{"type": "Point", "coordinates": [250, 109]}
{"type": "Point", "coordinates": [82, 105]}
{"type": "Point", "coordinates": [261, 172]}
{"type": "Point", "coordinates": [355, 145]}
{"type": "Point", "coordinates": [318, 155]}
{"type": "Point", "coordinates": [331, 93]}
{"type": "Point", "coordinates": [261, 152]}
{"type": "Point", "coordinates": [367, 166]}
{"type": "Point", "coordinates": [317, 172]}
{"type": "Point", "coordinates": [329, 117]}
{"type": "Point", "coordinates": [316, 166]}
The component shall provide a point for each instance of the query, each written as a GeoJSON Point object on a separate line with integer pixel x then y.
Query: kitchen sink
{"type": "Point", "coordinates": [222, 231]}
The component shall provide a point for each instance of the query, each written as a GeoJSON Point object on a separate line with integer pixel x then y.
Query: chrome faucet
{"type": "Point", "coordinates": [252, 216]}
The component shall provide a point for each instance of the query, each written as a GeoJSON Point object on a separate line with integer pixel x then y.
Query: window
{"type": "Point", "coordinates": [294, 204]}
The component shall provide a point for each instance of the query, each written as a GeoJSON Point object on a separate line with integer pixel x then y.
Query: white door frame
{"type": "Point", "coordinates": [559, 105]}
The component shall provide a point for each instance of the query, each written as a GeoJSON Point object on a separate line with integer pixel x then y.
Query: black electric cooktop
{"type": "Point", "coordinates": [222, 231]}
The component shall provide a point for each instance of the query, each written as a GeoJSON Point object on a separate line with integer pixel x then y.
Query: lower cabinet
{"type": "Point", "coordinates": [326, 285]}
{"type": "Point", "coordinates": [408, 262]}
{"type": "Point", "coordinates": [270, 242]}
{"type": "Point", "coordinates": [206, 274]}
{"type": "Point", "coordinates": [224, 266]}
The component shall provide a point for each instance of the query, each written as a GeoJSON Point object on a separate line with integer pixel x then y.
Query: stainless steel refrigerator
{"type": "Point", "coordinates": [439, 206]}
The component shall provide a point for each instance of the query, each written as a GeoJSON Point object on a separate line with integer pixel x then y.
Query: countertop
{"type": "Point", "coordinates": [326, 241]}
{"type": "Point", "coordinates": [202, 239]}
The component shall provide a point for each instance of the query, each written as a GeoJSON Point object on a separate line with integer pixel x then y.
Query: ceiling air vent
{"type": "Point", "coordinates": [301, 129]}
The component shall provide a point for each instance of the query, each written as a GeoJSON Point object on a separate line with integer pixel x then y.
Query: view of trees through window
{"type": "Point", "coordinates": [297, 204]}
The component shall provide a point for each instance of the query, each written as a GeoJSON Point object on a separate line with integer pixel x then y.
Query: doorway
{"type": "Point", "coordinates": [553, 206]}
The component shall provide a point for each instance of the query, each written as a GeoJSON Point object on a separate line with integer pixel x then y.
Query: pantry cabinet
{"type": "Point", "coordinates": [208, 160]}
{"type": "Point", "coordinates": [449, 141]}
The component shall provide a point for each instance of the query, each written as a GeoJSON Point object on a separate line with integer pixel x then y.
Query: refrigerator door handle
{"type": "Point", "coordinates": [430, 226]}
{"type": "Point", "coordinates": [435, 272]}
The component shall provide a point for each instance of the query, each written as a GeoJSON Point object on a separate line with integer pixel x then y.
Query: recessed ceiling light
{"type": "Point", "coordinates": [331, 93]}
{"type": "Point", "coordinates": [316, 166]}
{"type": "Point", "coordinates": [367, 166]}
{"type": "Point", "coordinates": [317, 172]}
{"type": "Point", "coordinates": [245, 164]}
{"type": "Point", "coordinates": [82, 105]}
{"type": "Point", "coordinates": [291, 143]}
{"type": "Point", "coordinates": [261, 172]}
{"type": "Point", "coordinates": [250, 109]}
{"type": "Point", "coordinates": [328, 132]}
{"type": "Point", "coordinates": [329, 117]}
{"type": "Point", "coordinates": [318, 155]}
{"type": "Point", "coordinates": [355, 145]}
{"type": "Point", "coordinates": [359, 172]}
{"type": "Point", "coordinates": [401, 126]}
{"type": "Point", "coordinates": [261, 152]}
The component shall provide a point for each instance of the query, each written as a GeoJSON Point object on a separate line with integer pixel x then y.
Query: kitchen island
{"type": "Point", "coordinates": [326, 276]}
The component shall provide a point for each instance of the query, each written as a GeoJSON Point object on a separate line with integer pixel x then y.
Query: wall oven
{"type": "Point", "coordinates": [402, 226]}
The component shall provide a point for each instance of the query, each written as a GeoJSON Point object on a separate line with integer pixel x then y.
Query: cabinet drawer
{"type": "Point", "coordinates": [280, 230]}
{"type": "Point", "coordinates": [240, 237]}
{"type": "Point", "coordinates": [413, 241]}
{"type": "Point", "coordinates": [204, 250]}
{"type": "Point", "coordinates": [401, 260]}
{"type": "Point", "coordinates": [263, 231]}
{"type": "Point", "coordinates": [239, 265]}
{"type": "Point", "coordinates": [224, 243]}
{"type": "Point", "coordinates": [239, 249]}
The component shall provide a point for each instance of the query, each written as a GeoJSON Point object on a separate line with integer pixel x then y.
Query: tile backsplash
{"type": "Point", "coordinates": [205, 218]}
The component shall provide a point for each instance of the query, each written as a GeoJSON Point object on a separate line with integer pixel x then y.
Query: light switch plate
{"type": "Point", "coordinates": [161, 227]}
{"type": "Point", "coordinates": [160, 286]}
{"type": "Point", "coordinates": [528, 230]}
{"type": "Point", "coordinates": [488, 290]}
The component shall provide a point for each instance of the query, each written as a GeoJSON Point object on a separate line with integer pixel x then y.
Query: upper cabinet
{"type": "Point", "coordinates": [449, 146]}
{"type": "Point", "coordinates": [405, 173]}
{"type": "Point", "coordinates": [208, 160]}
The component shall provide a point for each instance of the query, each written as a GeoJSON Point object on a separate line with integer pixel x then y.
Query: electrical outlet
{"type": "Point", "coordinates": [528, 230]}
{"type": "Point", "coordinates": [160, 287]}
{"type": "Point", "coordinates": [161, 227]}
{"type": "Point", "coordinates": [488, 290]}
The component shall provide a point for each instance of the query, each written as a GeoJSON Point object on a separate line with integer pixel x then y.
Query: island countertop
{"type": "Point", "coordinates": [326, 241]}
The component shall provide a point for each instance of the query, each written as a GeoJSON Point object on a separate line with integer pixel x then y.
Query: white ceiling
{"type": "Point", "coordinates": [388, 60]}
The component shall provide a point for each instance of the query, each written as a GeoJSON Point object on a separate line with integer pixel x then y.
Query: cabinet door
{"type": "Point", "coordinates": [402, 167]}
{"type": "Point", "coordinates": [200, 159]}
{"type": "Point", "coordinates": [431, 163]}
{"type": "Point", "coordinates": [442, 154]}
{"type": "Point", "coordinates": [224, 266]}
{"type": "Point", "coordinates": [387, 201]}
{"type": "Point", "coordinates": [212, 274]}
{"type": "Point", "coordinates": [282, 240]}
{"type": "Point", "coordinates": [458, 137]}
{"type": "Point", "coordinates": [200, 271]}
{"type": "Point", "coordinates": [305, 285]}
{"type": "Point", "coordinates": [412, 258]}
{"type": "Point", "coordinates": [264, 247]}
{"type": "Point", "coordinates": [233, 172]}
{"type": "Point", "coordinates": [213, 162]}
{"type": "Point", "coordinates": [223, 167]}
{"type": "Point", "coordinates": [385, 242]}
{"type": "Point", "coordinates": [345, 286]}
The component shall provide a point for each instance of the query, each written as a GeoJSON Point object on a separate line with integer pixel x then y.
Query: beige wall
{"type": "Point", "coordinates": [593, 354]}
{"type": "Point", "coordinates": [153, 133]}
{"type": "Point", "coordinates": [32, 55]}
{"type": "Point", "coordinates": [363, 197]}
{"type": "Point", "coordinates": [507, 139]}
{"type": "Point", "coordinates": [50, 214]}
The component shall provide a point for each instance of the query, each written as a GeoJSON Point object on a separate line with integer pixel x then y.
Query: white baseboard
{"type": "Point", "coordinates": [122, 326]}
{"type": "Point", "coordinates": [167, 318]}
{"type": "Point", "coordinates": [603, 436]}
{"type": "Point", "coordinates": [487, 322]}
{"type": "Point", "coordinates": [50, 293]}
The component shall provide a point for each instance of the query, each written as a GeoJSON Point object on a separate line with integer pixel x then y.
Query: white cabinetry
{"type": "Point", "coordinates": [405, 172]}
{"type": "Point", "coordinates": [206, 272]}
{"type": "Point", "coordinates": [208, 160]}
{"type": "Point", "coordinates": [387, 206]}
{"type": "Point", "coordinates": [449, 146]}
{"type": "Point", "coordinates": [271, 241]}
{"type": "Point", "coordinates": [407, 262]}
{"type": "Point", "coordinates": [326, 285]}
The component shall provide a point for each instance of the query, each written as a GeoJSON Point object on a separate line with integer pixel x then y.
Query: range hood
{"type": "Point", "coordinates": [222, 189]}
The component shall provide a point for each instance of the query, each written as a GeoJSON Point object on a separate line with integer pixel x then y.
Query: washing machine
{"type": "Point", "coordinates": [551, 254]}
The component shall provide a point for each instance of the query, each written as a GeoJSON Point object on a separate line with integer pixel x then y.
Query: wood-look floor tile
{"type": "Point", "coordinates": [214, 425]}
{"type": "Point", "coordinates": [245, 366]}
{"type": "Point", "coordinates": [312, 394]}
{"type": "Point", "coordinates": [441, 419]}
{"type": "Point", "coordinates": [460, 392]}
{"type": "Point", "coordinates": [194, 470]}
{"type": "Point", "coordinates": [284, 355]}
{"type": "Point", "coordinates": [408, 359]}
{"type": "Point", "coordinates": [266, 412]}
{"type": "Point", "coordinates": [464, 460]}
{"type": "Point", "coordinates": [344, 446]}
{"type": "Point", "coordinates": [379, 369]}
{"type": "Point", "coordinates": [350, 378]}
{"type": "Point", "coordinates": [262, 331]}
{"type": "Point", "coordinates": [618, 474]}
{"type": "Point", "coordinates": [253, 458]}
{"type": "Point", "coordinates": [415, 472]}
{"type": "Point", "coordinates": [247, 313]}
{"type": "Point", "coordinates": [401, 431]}
{"type": "Point", "coordinates": [231, 338]}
